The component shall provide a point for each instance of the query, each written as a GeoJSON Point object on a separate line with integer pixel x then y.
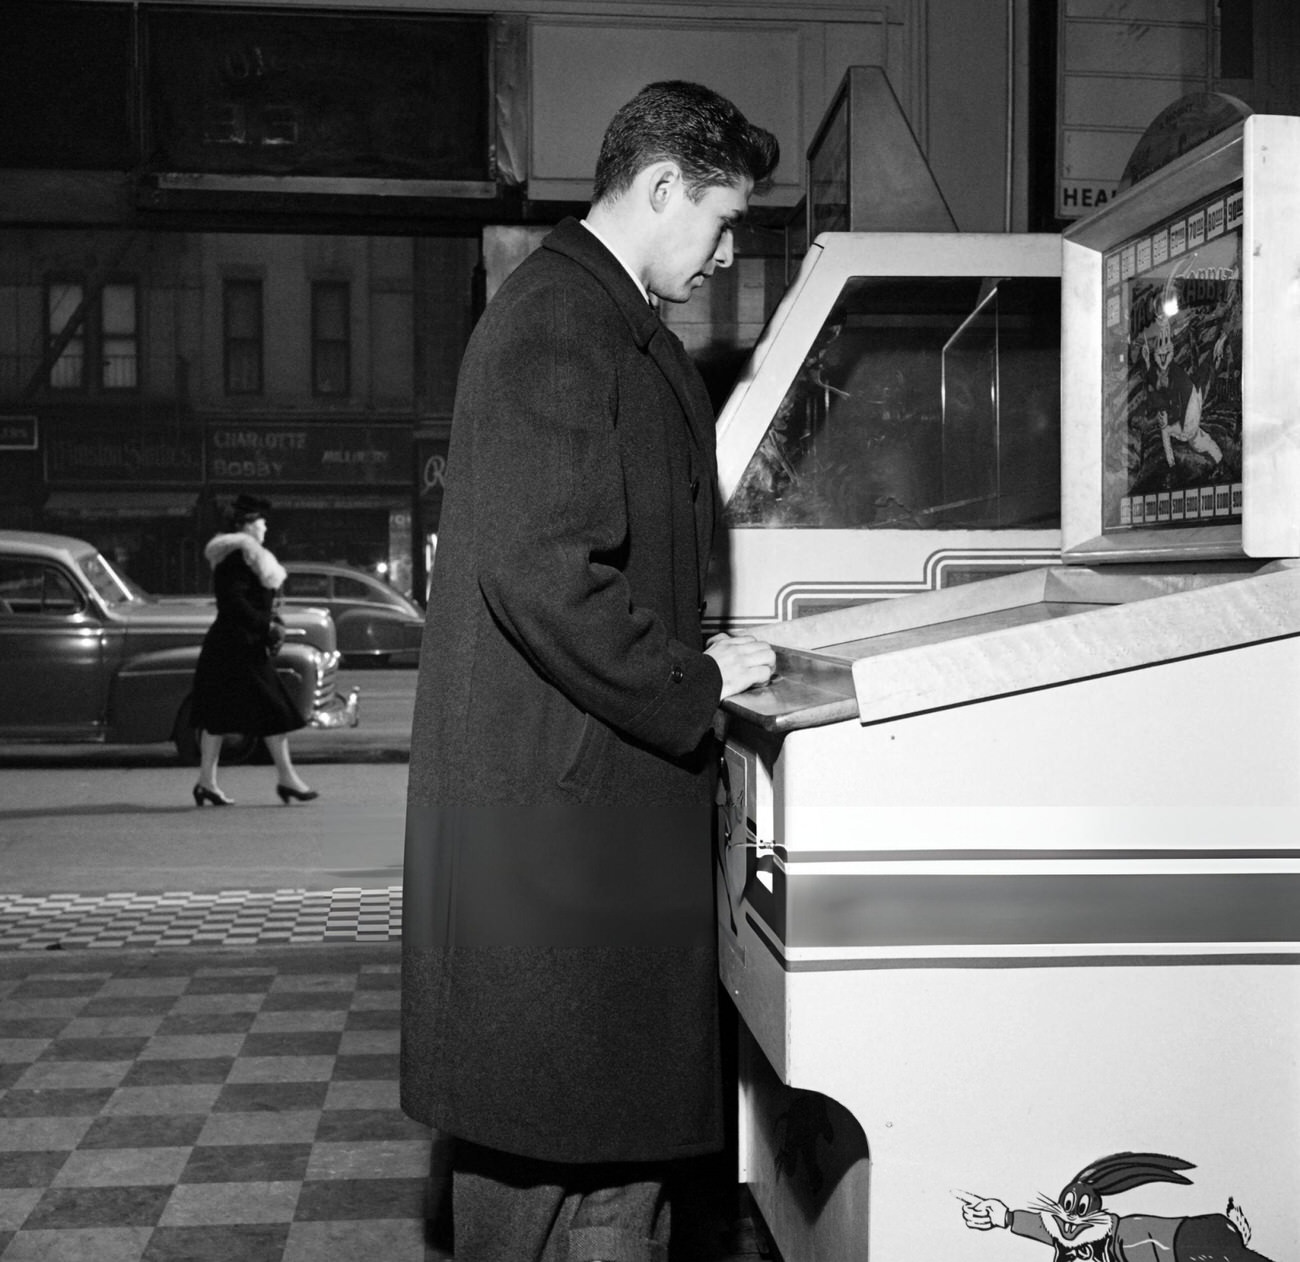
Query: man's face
{"type": "Point", "coordinates": [694, 238]}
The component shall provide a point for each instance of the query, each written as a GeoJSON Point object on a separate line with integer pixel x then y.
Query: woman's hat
{"type": "Point", "coordinates": [249, 507]}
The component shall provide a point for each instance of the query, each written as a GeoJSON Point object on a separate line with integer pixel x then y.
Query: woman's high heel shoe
{"type": "Point", "coordinates": [202, 795]}
{"type": "Point", "coordinates": [287, 794]}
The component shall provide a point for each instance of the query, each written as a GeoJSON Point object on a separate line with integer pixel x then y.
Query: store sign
{"type": "Point", "coordinates": [358, 455]}
{"type": "Point", "coordinates": [433, 470]}
{"type": "Point", "coordinates": [161, 455]}
{"type": "Point", "coordinates": [18, 433]}
{"type": "Point", "coordinates": [326, 94]}
{"type": "Point", "coordinates": [1078, 197]}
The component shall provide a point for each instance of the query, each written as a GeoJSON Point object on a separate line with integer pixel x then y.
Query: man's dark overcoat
{"type": "Point", "coordinates": [559, 976]}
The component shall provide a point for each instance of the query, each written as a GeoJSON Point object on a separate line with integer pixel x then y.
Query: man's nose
{"type": "Point", "coordinates": [725, 254]}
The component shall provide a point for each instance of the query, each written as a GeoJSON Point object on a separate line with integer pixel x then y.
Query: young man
{"type": "Point", "coordinates": [559, 974]}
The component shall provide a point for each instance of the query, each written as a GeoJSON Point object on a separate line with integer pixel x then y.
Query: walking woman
{"type": "Point", "coordinates": [236, 688]}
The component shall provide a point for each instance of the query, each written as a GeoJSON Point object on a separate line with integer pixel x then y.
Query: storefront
{"type": "Point", "coordinates": [339, 492]}
{"type": "Point", "coordinates": [133, 490]}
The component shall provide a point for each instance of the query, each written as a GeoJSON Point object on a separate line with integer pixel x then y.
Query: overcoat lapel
{"type": "Point", "coordinates": [649, 332]}
{"type": "Point", "coordinates": [668, 352]}
{"type": "Point", "coordinates": [665, 349]}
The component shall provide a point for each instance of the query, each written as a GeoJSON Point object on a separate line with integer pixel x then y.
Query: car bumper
{"type": "Point", "coordinates": [340, 712]}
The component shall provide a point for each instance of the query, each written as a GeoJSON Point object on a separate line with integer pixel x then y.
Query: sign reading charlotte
{"type": "Point", "coordinates": [365, 455]}
{"type": "Point", "coordinates": [153, 453]}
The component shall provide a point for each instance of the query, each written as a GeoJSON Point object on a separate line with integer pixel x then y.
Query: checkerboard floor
{"type": "Point", "coordinates": [235, 1103]}
{"type": "Point", "coordinates": [228, 918]}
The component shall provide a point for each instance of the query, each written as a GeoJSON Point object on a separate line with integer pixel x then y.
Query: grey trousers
{"type": "Point", "coordinates": [514, 1209]}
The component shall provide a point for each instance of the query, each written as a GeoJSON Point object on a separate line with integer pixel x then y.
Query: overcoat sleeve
{"type": "Point", "coordinates": [552, 521]}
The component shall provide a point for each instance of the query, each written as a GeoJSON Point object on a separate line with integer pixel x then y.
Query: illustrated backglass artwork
{"type": "Point", "coordinates": [1172, 375]}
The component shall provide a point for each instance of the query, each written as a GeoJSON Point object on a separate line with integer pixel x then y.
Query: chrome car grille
{"type": "Point", "coordinates": [327, 682]}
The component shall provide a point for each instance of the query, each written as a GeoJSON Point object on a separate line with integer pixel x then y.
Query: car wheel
{"type": "Point", "coordinates": [236, 747]}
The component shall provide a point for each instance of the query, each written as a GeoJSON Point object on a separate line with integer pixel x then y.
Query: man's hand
{"type": "Point", "coordinates": [744, 662]}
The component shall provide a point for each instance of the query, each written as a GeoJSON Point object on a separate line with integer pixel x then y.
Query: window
{"type": "Point", "coordinates": [331, 348]}
{"type": "Point", "coordinates": [31, 587]}
{"type": "Point", "coordinates": [307, 586]}
{"type": "Point", "coordinates": [63, 300]}
{"type": "Point", "coordinates": [243, 336]}
{"type": "Point", "coordinates": [119, 344]}
{"type": "Point", "coordinates": [101, 350]}
{"type": "Point", "coordinates": [354, 589]}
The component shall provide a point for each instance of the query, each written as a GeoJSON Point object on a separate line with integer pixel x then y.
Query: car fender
{"type": "Point", "coordinates": [147, 693]}
{"type": "Point", "coordinates": [310, 625]}
{"type": "Point", "coordinates": [150, 689]}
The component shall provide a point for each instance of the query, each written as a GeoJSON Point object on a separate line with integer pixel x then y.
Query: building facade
{"type": "Point", "coordinates": [242, 248]}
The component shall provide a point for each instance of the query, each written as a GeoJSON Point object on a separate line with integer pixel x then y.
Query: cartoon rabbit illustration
{"type": "Point", "coordinates": [1079, 1229]}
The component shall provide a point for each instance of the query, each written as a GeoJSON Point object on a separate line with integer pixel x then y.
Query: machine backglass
{"type": "Point", "coordinates": [1179, 339]}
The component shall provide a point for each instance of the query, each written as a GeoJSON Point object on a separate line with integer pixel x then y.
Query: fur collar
{"type": "Point", "coordinates": [270, 573]}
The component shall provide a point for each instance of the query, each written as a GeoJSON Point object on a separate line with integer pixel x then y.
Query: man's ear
{"type": "Point", "coordinates": [662, 178]}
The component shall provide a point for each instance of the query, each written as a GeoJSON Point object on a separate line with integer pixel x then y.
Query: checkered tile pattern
{"type": "Point", "coordinates": [223, 1105]}
{"type": "Point", "coordinates": [235, 1104]}
{"type": "Point", "coordinates": [229, 918]}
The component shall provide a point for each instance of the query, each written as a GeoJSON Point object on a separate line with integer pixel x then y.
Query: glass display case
{"type": "Point", "coordinates": [903, 404]}
{"type": "Point", "coordinates": [924, 401]}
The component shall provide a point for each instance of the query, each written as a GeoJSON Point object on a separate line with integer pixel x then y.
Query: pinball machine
{"type": "Point", "coordinates": [1009, 882]}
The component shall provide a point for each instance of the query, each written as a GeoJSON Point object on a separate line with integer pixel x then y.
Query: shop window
{"type": "Point", "coordinates": [100, 341]}
{"type": "Point", "coordinates": [242, 327]}
{"type": "Point", "coordinates": [331, 346]}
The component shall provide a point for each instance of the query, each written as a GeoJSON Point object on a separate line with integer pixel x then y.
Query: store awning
{"type": "Point", "coordinates": [120, 505]}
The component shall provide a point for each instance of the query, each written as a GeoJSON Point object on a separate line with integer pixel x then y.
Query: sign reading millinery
{"type": "Point", "coordinates": [356, 455]}
{"type": "Point", "coordinates": [239, 92]}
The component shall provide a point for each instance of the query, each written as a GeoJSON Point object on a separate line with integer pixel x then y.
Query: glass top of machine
{"type": "Point", "coordinates": [924, 402]}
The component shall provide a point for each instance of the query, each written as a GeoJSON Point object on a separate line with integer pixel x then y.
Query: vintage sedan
{"type": "Point", "coordinates": [86, 655]}
{"type": "Point", "coordinates": [374, 622]}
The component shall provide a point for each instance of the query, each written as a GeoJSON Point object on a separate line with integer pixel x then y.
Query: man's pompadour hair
{"type": "Point", "coordinates": [703, 132]}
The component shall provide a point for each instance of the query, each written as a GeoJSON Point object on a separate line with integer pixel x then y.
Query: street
{"type": "Point", "coordinates": [90, 819]}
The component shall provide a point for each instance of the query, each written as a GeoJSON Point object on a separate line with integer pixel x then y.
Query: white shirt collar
{"type": "Point", "coordinates": [605, 242]}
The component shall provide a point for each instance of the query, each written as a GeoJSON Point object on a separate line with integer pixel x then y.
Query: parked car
{"type": "Point", "coordinates": [86, 655]}
{"type": "Point", "coordinates": [373, 621]}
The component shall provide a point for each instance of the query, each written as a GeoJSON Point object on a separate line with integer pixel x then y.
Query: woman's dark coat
{"type": "Point", "coordinates": [236, 688]}
{"type": "Point", "coordinates": [559, 973]}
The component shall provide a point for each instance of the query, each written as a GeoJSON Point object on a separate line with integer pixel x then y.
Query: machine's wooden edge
{"type": "Point", "coordinates": [814, 684]}
{"type": "Point", "coordinates": [1123, 636]}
